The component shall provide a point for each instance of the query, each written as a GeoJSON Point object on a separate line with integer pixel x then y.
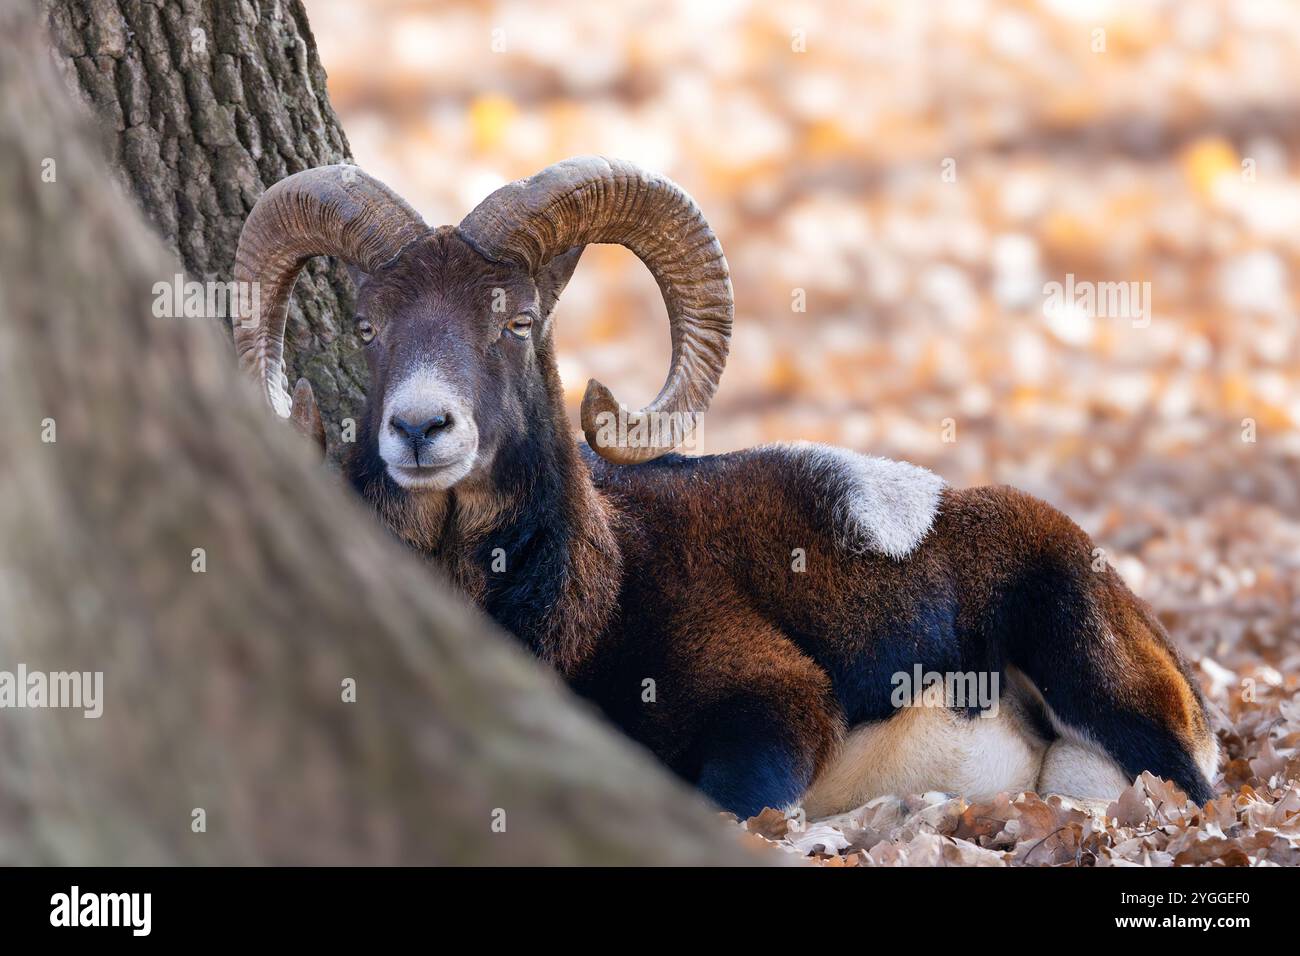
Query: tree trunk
{"type": "Point", "coordinates": [205, 104]}
{"type": "Point", "coordinates": [129, 442]}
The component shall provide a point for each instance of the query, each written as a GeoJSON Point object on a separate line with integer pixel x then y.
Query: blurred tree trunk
{"type": "Point", "coordinates": [205, 104]}
{"type": "Point", "coordinates": [129, 444]}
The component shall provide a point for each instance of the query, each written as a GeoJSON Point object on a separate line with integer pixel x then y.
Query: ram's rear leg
{"type": "Point", "coordinates": [1114, 688]}
{"type": "Point", "coordinates": [1112, 684]}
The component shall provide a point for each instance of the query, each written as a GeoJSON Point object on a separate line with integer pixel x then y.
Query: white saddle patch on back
{"type": "Point", "coordinates": [878, 505]}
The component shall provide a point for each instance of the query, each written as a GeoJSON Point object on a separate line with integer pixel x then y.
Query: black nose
{"type": "Point", "coordinates": [423, 431]}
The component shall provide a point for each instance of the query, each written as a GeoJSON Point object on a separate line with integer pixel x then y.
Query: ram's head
{"type": "Point", "coordinates": [456, 320]}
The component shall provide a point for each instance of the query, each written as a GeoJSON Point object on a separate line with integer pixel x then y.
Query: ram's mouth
{"type": "Point", "coordinates": [436, 476]}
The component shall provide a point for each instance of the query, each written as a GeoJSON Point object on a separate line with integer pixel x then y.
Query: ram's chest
{"type": "Point", "coordinates": [463, 571]}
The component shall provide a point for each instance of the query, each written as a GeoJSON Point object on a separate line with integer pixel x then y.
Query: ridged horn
{"type": "Point", "coordinates": [327, 211]}
{"type": "Point", "coordinates": [593, 199]}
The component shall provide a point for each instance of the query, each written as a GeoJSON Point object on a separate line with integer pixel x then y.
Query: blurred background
{"type": "Point", "coordinates": [895, 184]}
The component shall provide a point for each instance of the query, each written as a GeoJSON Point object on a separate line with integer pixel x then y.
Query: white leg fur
{"type": "Point", "coordinates": [929, 748]}
{"type": "Point", "coordinates": [1207, 757]}
{"type": "Point", "coordinates": [1075, 770]}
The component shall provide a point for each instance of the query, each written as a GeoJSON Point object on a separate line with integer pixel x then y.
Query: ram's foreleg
{"type": "Point", "coordinates": [771, 722]}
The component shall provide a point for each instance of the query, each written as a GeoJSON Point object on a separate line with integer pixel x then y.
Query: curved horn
{"type": "Point", "coordinates": [326, 211]}
{"type": "Point", "coordinates": [593, 199]}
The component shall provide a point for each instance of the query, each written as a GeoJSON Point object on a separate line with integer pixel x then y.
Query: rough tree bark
{"type": "Point", "coordinates": [222, 687]}
{"type": "Point", "coordinates": [205, 104]}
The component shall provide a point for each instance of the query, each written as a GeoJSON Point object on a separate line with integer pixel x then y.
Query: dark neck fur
{"type": "Point", "coordinates": [562, 563]}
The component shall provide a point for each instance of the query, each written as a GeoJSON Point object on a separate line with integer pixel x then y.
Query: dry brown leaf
{"type": "Point", "coordinates": [769, 823]}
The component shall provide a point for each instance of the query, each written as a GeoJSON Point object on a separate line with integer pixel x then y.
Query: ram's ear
{"type": "Point", "coordinates": [305, 415]}
{"type": "Point", "coordinates": [554, 276]}
{"type": "Point", "coordinates": [358, 277]}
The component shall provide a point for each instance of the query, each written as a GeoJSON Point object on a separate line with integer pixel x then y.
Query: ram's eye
{"type": "Point", "coordinates": [366, 329]}
{"type": "Point", "coordinates": [521, 325]}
